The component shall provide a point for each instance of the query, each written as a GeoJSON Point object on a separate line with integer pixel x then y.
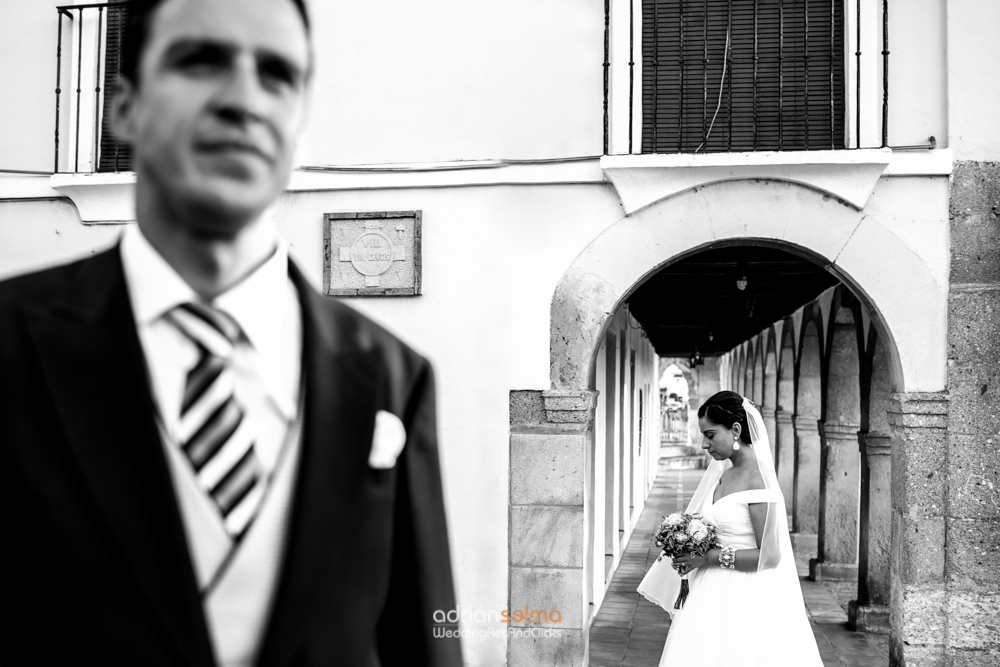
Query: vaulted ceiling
{"type": "Point", "coordinates": [697, 298]}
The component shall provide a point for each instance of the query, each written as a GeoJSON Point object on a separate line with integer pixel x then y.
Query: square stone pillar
{"type": "Point", "coordinates": [918, 607]}
{"type": "Point", "coordinates": [551, 436]}
{"type": "Point", "coordinates": [972, 522]}
{"type": "Point", "coordinates": [784, 431]}
{"type": "Point", "coordinates": [839, 508]}
{"type": "Point", "coordinates": [870, 612]}
{"type": "Point", "coordinates": [807, 470]}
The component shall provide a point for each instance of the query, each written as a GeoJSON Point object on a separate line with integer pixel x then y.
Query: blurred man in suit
{"type": "Point", "coordinates": [211, 464]}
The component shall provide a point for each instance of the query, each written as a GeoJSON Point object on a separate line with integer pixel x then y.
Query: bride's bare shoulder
{"type": "Point", "coordinates": [750, 481]}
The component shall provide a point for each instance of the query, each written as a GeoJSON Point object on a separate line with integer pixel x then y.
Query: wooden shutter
{"type": "Point", "coordinates": [114, 156]}
{"type": "Point", "coordinates": [783, 87]}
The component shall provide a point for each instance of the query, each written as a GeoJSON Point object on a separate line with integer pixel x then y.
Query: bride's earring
{"type": "Point", "coordinates": [736, 443]}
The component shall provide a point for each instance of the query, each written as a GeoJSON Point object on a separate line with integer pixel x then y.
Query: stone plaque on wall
{"type": "Point", "coordinates": [372, 253]}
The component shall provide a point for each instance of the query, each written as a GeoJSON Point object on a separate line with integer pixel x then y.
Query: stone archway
{"type": "Point", "coordinates": [852, 246]}
{"type": "Point", "coordinates": [691, 377]}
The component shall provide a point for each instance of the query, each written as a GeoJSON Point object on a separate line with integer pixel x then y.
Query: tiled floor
{"type": "Point", "coordinates": [629, 631]}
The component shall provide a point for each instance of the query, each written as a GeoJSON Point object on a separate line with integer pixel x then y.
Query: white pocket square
{"type": "Point", "coordinates": [388, 441]}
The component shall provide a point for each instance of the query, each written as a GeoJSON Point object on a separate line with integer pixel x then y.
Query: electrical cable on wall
{"type": "Point", "coordinates": [722, 83]}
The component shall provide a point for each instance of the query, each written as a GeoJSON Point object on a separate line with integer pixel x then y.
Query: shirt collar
{"type": "Point", "coordinates": [261, 303]}
{"type": "Point", "coordinates": [255, 300]}
{"type": "Point", "coordinates": [154, 287]}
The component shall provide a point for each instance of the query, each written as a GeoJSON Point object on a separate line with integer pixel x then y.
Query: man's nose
{"type": "Point", "coordinates": [242, 98]}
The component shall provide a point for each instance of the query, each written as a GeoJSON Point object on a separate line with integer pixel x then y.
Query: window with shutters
{"type": "Point", "coordinates": [88, 62]}
{"type": "Point", "coordinates": [114, 155]}
{"type": "Point", "coordinates": [742, 75]}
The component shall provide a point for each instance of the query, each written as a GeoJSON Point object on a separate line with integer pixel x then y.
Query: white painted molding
{"type": "Point", "coordinates": [99, 198]}
{"type": "Point", "coordinates": [447, 174]}
{"type": "Point", "coordinates": [639, 179]}
{"type": "Point", "coordinates": [109, 198]}
{"type": "Point", "coordinates": [642, 180]}
{"type": "Point", "coordinates": [14, 187]}
{"type": "Point", "coordinates": [921, 163]}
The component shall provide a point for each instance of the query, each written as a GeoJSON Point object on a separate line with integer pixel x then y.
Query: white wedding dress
{"type": "Point", "coordinates": [733, 618]}
{"type": "Point", "coordinates": [740, 619]}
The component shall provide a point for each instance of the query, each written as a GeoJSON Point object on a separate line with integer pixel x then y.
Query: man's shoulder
{"type": "Point", "coordinates": [52, 284]}
{"type": "Point", "coordinates": [368, 336]}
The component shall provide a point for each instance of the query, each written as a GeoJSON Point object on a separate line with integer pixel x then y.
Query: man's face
{"type": "Point", "coordinates": [216, 112]}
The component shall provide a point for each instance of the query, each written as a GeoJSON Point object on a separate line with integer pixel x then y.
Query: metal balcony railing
{"type": "Point", "coordinates": [90, 35]}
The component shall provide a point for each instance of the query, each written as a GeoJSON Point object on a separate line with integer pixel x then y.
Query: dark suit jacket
{"type": "Point", "coordinates": [96, 563]}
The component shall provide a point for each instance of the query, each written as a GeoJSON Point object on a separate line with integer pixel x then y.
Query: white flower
{"type": "Point", "coordinates": [674, 519]}
{"type": "Point", "coordinates": [697, 529]}
{"type": "Point", "coordinates": [681, 537]}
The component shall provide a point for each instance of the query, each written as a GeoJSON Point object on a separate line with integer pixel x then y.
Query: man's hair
{"type": "Point", "coordinates": [140, 14]}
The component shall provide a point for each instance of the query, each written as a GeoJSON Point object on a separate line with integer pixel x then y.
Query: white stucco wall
{"type": "Point", "coordinates": [456, 79]}
{"type": "Point", "coordinates": [28, 32]}
{"type": "Point", "coordinates": [973, 73]}
{"type": "Point", "coordinates": [395, 81]}
{"type": "Point", "coordinates": [917, 72]}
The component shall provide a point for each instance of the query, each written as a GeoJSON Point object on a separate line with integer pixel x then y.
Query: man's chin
{"type": "Point", "coordinates": [222, 212]}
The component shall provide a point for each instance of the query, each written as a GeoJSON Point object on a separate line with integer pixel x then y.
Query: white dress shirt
{"type": "Point", "coordinates": [237, 586]}
{"type": "Point", "coordinates": [266, 364]}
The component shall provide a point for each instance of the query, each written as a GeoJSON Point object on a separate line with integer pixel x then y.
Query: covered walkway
{"type": "Point", "coordinates": [629, 631]}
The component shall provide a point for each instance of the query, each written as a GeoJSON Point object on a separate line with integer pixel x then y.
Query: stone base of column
{"type": "Point", "coordinates": [530, 647]}
{"type": "Point", "coordinates": [807, 542]}
{"type": "Point", "coordinates": [867, 618]}
{"type": "Point", "coordinates": [822, 571]}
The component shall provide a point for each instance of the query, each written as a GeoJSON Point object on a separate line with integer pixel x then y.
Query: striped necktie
{"type": "Point", "coordinates": [213, 433]}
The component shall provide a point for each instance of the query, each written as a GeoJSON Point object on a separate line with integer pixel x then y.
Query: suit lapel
{"type": "Point", "coordinates": [339, 420]}
{"type": "Point", "coordinates": [90, 355]}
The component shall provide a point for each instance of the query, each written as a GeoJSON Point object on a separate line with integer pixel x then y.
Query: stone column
{"type": "Point", "coordinates": [551, 434]}
{"type": "Point", "coordinates": [805, 513]}
{"type": "Point", "coordinates": [767, 414]}
{"type": "Point", "coordinates": [839, 504]}
{"type": "Point", "coordinates": [785, 436]}
{"type": "Point", "coordinates": [918, 609]}
{"type": "Point", "coordinates": [870, 612]}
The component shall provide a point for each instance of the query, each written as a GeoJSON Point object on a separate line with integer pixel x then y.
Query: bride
{"type": "Point", "coordinates": [745, 605]}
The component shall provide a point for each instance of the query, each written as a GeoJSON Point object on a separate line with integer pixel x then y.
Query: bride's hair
{"type": "Point", "coordinates": [726, 409]}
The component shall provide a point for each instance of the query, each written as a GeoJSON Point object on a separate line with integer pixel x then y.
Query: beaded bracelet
{"type": "Point", "coordinates": [727, 557]}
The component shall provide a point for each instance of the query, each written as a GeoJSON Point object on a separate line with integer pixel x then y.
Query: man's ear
{"type": "Point", "coordinates": [123, 111]}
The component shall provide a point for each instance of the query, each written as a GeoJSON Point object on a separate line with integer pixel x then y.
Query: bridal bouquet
{"type": "Point", "coordinates": [680, 533]}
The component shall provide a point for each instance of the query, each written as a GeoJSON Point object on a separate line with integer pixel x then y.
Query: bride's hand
{"type": "Point", "coordinates": [688, 562]}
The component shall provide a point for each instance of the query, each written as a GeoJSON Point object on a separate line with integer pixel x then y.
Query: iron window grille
{"type": "Point", "coordinates": [93, 39]}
